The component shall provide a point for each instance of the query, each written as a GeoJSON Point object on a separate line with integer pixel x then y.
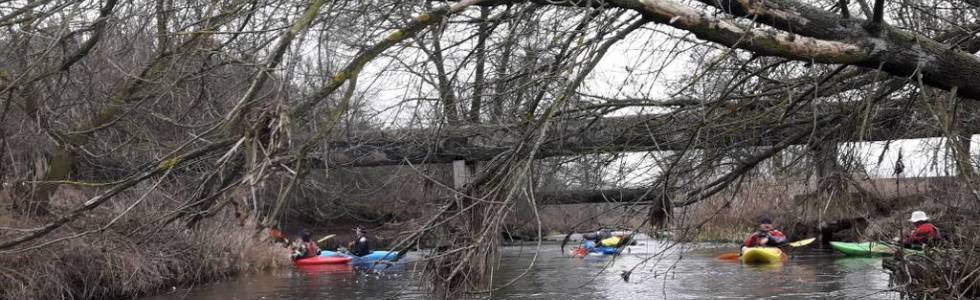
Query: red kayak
{"type": "Point", "coordinates": [322, 260]}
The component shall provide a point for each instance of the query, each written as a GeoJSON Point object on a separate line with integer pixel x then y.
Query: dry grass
{"type": "Point", "coordinates": [795, 208]}
{"type": "Point", "coordinates": [132, 257]}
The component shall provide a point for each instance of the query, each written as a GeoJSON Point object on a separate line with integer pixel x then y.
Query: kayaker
{"type": "Point", "coordinates": [924, 233]}
{"type": "Point", "coordinates": [602, 234]}
{"type": "Point", "coordinates": [361, 245]}
{"type": "Point", "coordinates": [588, 245]}
{"type": "Point", "coordinates": [307, 247]}
{"type": "Point", "coordinates": [765, 236]}
{"type": "Point", "coordinates": [627, 239]}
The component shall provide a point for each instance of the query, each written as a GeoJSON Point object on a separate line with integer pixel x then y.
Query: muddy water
{"type": "Point", "coordinates": [685, 271]}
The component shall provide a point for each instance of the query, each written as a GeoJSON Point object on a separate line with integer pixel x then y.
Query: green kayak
{"type": "Point", "coordinates": [868, 249]}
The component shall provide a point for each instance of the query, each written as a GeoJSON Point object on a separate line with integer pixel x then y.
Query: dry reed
{"type": "Point", "coordinates": [131, 258]}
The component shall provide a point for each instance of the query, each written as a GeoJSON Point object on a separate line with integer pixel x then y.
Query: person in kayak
{"type": "Point", "coordinates": [924, 233]}
{"type": "Point", "coordinates": [361, 245]}
{"type": "Point", "coordinates": [765, 236]}
{"type": "Point", "coordinates": [588, 245]}
{"type": "Point", "coordinates": [307, 247]}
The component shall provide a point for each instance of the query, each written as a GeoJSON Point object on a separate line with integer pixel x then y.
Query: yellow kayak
{"type": "Point", "coordinates": [762, 255]}
{"type": "Point", "coordinates": [611, 242]}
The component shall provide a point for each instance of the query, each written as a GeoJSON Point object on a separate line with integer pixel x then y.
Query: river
{"type": "Point", "coordinates": [684, 271]}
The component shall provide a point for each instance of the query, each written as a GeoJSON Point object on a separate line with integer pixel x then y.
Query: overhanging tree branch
{"type": "Point", "coordinates": [812, 34]}
{"type": "Point", "coordinates": [417, 24]}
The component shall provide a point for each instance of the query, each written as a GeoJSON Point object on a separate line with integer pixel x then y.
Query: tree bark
{"type": "Point", "coordinates": [479, 81]}
{"type": "Point", "coordinates": [601, 135]}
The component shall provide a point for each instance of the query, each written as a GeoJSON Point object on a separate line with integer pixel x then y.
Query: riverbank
{"type": "Point", "coordinates": [132, 257]}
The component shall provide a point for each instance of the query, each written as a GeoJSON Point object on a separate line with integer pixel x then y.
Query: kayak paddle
{"type": "Point", "coordinates": [800, 243]}
{"type": "Point", "coordinates": [728, 256]}
{"type": "Point", "coordinates": [325, 238]}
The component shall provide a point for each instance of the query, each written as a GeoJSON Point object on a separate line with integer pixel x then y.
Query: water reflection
{"type": "Point", "coordinates": [321, 270]}
{"type": "Point", "coordinates": [690, 271]}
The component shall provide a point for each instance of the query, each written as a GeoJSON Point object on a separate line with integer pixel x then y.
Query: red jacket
{"type": "Point", "coordinates": [775, 238]}
{"type": "Point", "coordinates": [923, 234]}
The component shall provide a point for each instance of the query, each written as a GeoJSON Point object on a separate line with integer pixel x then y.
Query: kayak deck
{"type": "Point", "coordinates": [868, 249]}
{"type": "Point", "coordinates": [597, 251]}
{"type": "Point", "coordinates": [370, 257]}
{"type": "Point", "coordinates": [762, 255]}
{"type": "Point", "coordinates": [605, 250]}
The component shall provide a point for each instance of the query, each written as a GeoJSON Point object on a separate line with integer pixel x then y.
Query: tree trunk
{"type": "Point", "coordinates": [479, 81]}
{"type": "Point", "coordinates": [829, 174]}
{"type": "Point", "coordinates": [59, 167]}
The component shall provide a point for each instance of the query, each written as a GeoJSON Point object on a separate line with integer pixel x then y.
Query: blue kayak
{"type": "Point", "coordinates": [605, 250]}
{"type": "Point", "coordinates": [370, 257]}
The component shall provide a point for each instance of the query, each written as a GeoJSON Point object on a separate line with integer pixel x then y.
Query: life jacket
{"type": "Point", "coordinates": [311, 249]}
{"type": "Point", "coordinates": [775, 238]}
{"type": "Point", "coordinates": [362, 246]}
{"type": "Point", "coordinates": [923, 234]}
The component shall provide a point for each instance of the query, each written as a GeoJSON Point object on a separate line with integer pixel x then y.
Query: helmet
{"type": "Point", "coordinates": [918, 216]}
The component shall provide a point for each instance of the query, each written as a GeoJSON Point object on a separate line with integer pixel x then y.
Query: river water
{"type": "Point", "coordinates": [684, 271]}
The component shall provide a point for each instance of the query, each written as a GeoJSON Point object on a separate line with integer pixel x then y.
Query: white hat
{"type": "Point", "coordinates": [918, 216]}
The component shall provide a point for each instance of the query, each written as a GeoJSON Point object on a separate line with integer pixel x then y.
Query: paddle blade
{"type": "Point", "coordinates": [801, 243]}
{"type": "Point", "coordinates": [325, 238]}
{"type": "Point", "coordinates": [728, 256]}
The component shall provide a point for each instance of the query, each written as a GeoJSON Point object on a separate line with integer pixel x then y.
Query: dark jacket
{"type": "Point", "coordinates": [362, 246]}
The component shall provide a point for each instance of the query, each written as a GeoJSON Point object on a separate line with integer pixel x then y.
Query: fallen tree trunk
{"type": "Point", "coordinates": [629, 195]}
{"type": "Point", "coordinates": [660, 132]}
